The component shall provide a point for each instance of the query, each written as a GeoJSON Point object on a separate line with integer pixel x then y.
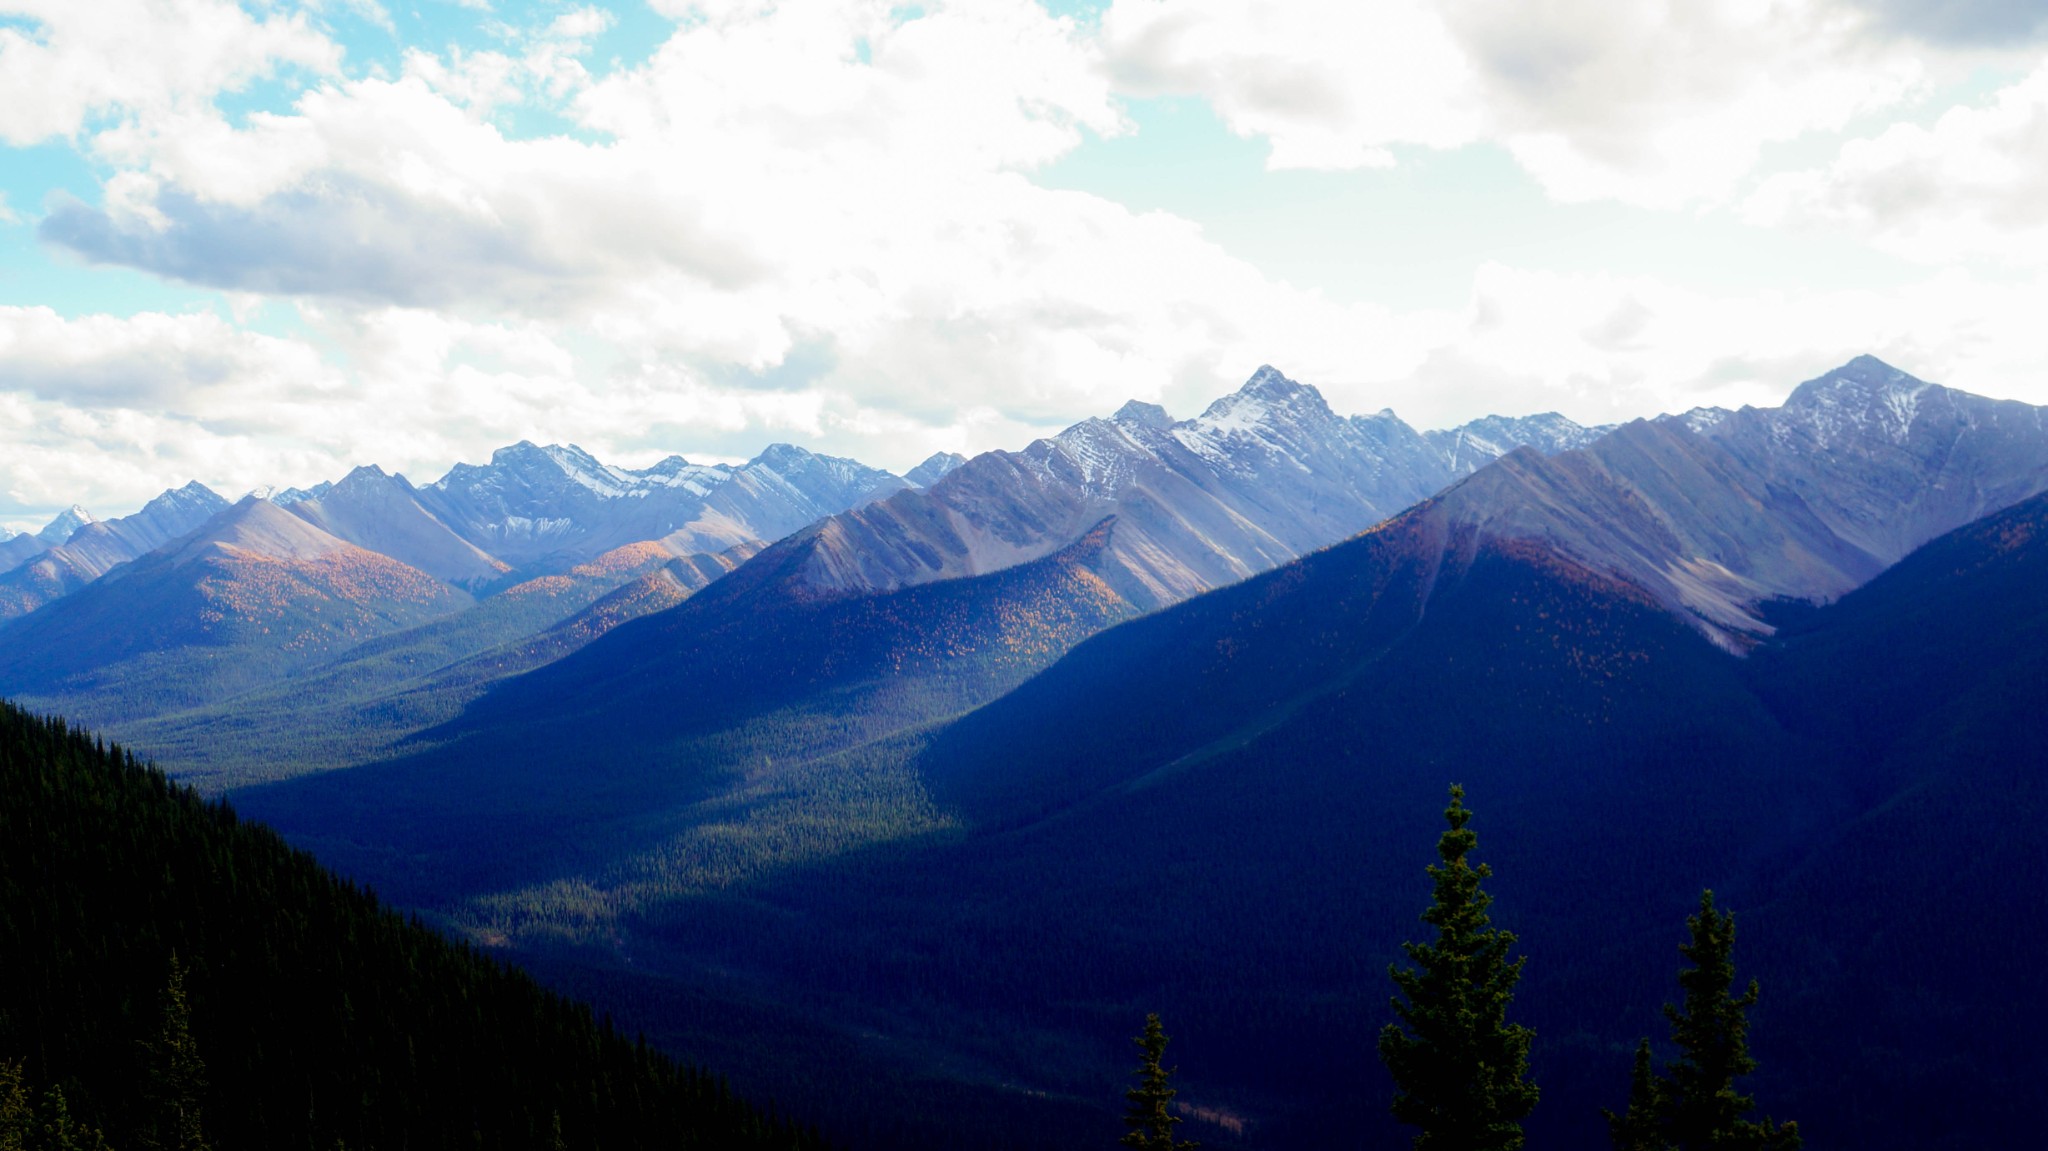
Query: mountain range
{"type": "Point", "coordinates": [541, 534]}
{"type": "Point", "coordinates": [78, 549]}
{"type": "Point", "coordinates": [956, 776]}
{"type": "Point", "coordinates": [886, 820]}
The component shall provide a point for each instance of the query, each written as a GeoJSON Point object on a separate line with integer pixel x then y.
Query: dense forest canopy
{"type": "Point", "coordinates": [320, 1017]}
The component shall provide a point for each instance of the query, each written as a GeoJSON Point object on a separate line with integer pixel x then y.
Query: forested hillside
{"type": "Point", "coordinates": [320, 1018]}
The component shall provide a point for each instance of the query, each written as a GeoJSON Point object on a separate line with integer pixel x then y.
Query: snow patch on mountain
{"type": "Point", "coordinates": [1698, 421]}
{"type": "Point", "coordinates": [67, 523]}
{"type": "Point", "coordinates": [1863, 397]}
{"type": "Point", "coordinates": [935, 468]}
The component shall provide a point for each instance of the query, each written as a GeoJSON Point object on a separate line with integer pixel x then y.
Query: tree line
{"type": "Point", "coordinates": [1461, 1067]}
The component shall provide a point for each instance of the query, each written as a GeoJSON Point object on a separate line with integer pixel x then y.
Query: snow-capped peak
{"type": "Point", "coordinates": [1137, 414]}
{"type": "Point", "coordinates": [1699, 420]}
{"type": "Point", "coordinates": [290, 496]}
{"type": "Point", "coordinates": [936, 467]}
{"type": "Point", "coordinates": [65, 525]}
{"type": "Point", "coordinates": [1866, 394]}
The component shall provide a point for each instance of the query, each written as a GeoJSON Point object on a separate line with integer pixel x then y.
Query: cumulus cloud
{"type": "Point", "coordinates": [1602, 347]}
{"type": "Point", "coordinates": [109, 410]}
{"type": "Point", "coordinates": [816, 220]}
{"type": "Point", "coordinates": [1330, 83]}
{"type": "Point", "coordinates": [70, 62]}
{"type": "Point", "coordinates": [1651, 103]}
{"type": "Point", "coordinates": [811, 194]}
{"type": "Point", "coordinates": [1973, 185]}
{"type": "Point", "coordinates": [1968, 23]}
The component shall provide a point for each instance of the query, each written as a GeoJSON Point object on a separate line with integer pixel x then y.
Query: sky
{"type": "Point", "coordinates": [262, 242]}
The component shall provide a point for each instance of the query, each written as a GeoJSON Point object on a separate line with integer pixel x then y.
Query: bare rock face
{"type": "Point", "coordinates": [1469, 447]}
{"type": "Point", "coordinates": [15, 549]}
{"type": "Point", "coordinates": [1715, 514]}
{"type": "Point", "coordinates": [1262, 476]}
{"type": "Point", "coordinates": [91, 548]}
{"type": "Point", "coordinates": [383, 513]}
{"type": "Point", "coordinates": [1259, 477]}
{"type": "Point", "coordinates": [553, 507]}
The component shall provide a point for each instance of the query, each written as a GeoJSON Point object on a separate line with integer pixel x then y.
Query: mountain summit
{"type": "Point", "coordinates": [555, 506]}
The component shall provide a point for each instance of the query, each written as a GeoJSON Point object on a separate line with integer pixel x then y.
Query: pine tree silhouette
{"type": "Point", "coordinates": [174, 1078]}
{"type": "Point", "coordinates": [1150, 1115]}
{"type": "Point", "coordinates": [1694, 1105]}
{"type": "Point", "coordinates": [1460, 1068]}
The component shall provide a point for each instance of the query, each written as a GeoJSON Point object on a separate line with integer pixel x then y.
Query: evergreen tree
{"type": "Point", "coordinates": [56, 1130]}
{"type": "Point", "coordinates": [1637, 1129]}
{"type": "Point", "coordinates": [1694, 1106]}
{"type": "Point", "coordinates": [1150, 1116]}
{"type": "Point", "coordinates": [17, 1121]}
{"type": "Point", "coordinates": [173, 1076]}
{"type": "Point", "coordinates": [1460, 1068]}
{"type": "Point", "coordinates": [40, 1121]}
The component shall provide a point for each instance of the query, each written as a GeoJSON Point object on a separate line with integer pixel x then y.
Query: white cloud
{"type": "Point", "coordinates": [814, 220]}
{"type": "Point", "coordinates": [137, 59]}
{"type": "Point", "coordinates": [1602, 347]}
{"type": "Point", "coordinates": [1973, 185]}
{"type": "Point", "coordinates": [810, 195]}
{"type": "Point", "coordinates": [1658, 103]}
{"type": "Point", "coordinates": [1331, 83]}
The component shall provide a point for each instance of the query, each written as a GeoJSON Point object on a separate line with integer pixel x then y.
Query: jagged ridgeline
{"type": "Point", "coordinates": [320, 1016]}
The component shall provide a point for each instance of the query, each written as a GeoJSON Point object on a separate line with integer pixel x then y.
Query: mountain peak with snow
{"type": "Point", "coordinates": [1137, 414]}
{"type": "Point", "coordinates": [66, 524]}
{"type": "Point", "coordinates": [1864, 395]}
{"type": "Point", "coordinates": [936, 467]}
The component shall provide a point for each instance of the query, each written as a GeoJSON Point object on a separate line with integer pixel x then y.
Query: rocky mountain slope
{"type": "Point", "coordinates": [1261, 476]}
{"type": "Point", "coordinates": [18, 548]}
{"type": "Point", "coordinates": [383, 513]}
{"type": "Point", "coordinates": [93, 548]}
{"type": "Point", "coordinates": [256, 593]}
{"type": "Point", "coordinates": [552, 507]}
{"type": "Point", "coordinates": [1804, 501]}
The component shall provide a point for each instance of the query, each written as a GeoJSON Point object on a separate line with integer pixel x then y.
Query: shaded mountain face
{"type": "Point", "coordinates": [95, 547]}
{"type": "Point", "coordinates": [363, 703]}
{"type": "Point", "coordinates": [383, 513]}
{"type": "Point", "coordinates": [1222, 812]}
{"type": "Point", "coordinates": [254, 593]}
{"type": "Point", "coordinates": [701, 709]}
{"type": "Point", "coordinates": [557, 506]}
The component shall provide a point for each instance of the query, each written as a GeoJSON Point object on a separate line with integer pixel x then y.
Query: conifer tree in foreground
{"type": "Point", "coordinates": [1694, 1106]}
{"type": "Point", "coordinates": [1150, 1116]}
{"type": "Point", "coordinates": [1460, 1068]}
{"type": "Point", "coordinates": [174, 1077]}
